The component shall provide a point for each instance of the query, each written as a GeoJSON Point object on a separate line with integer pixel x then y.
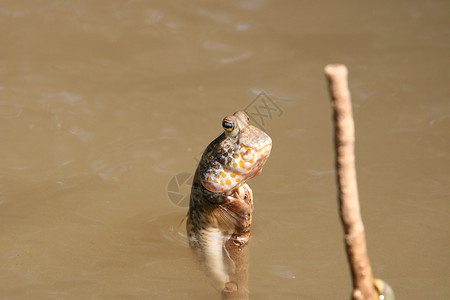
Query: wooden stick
{"type": "Point", "coordinates": [355, 239]}
{"type": "Point", "coordinates": [237, 288]}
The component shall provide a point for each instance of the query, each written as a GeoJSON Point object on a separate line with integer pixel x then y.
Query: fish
{"type": "Point", "coordinates": [219, 205]}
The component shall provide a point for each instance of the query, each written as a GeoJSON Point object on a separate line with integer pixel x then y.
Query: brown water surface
{"type": "Point", "coordinates": [102, 103]}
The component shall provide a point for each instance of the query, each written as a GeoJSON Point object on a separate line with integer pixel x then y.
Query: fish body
{"type": "Point", "coordinates": [216, 208]}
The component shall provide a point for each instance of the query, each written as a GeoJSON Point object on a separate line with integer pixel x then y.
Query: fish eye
{"type": "Point", "coordinates": [228, 124]}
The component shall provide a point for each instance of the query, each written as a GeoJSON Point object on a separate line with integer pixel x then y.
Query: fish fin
{"type": "Point", "coordinates": [234, 213]}
{"type": "Point", "coordinates": [181, 222]}
{"type": "Point", "coordinates": [231, 211]}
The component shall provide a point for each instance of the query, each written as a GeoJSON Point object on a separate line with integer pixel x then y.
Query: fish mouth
{"type": "Point", "coordinates": [266, 148]}
{"type": "Point", "coordinates": [262, 153]}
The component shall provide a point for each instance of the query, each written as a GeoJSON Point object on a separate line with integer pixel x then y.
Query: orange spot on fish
{"type": "Point", "coordinates": [223, 174]}
{"type": "Point", "coordinates": [241, 164]}
{"type": "Point", "coordinates": [227, 182]}
{"type": "Point", "coordinates": [232, 175]}
{"type": "Point", "coordinates": [235, 155]}
{"type": "Point", "coordinates": [221, 182]}
{"type": "Point", "coordinates": [234, 165]}
{"type": "Point", "coordinates": [215, 181]}
{"type": "Point", "coordinates": [238, 180]}
{"type": "Point", "coordinates": [209, 179]}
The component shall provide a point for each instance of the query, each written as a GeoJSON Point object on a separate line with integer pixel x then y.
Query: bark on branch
{"type": "Point", "coordinates": [355, 239]}
{"type": "Point", "coordinates": [237, 288]}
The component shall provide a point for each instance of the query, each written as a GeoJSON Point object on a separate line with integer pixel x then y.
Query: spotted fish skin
{"type": "Point", "coordinates": [216, 209]}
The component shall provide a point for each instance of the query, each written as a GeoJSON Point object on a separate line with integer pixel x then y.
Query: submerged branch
{"type": "Point", "coordinates": [237, 287]}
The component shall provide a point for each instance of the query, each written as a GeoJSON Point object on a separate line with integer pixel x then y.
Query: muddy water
{"type": "Point", "coordinates": [102, 104]}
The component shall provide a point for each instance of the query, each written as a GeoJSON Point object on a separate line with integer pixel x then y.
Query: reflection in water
{"type": "Point", "coordinates": [221, 202]}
